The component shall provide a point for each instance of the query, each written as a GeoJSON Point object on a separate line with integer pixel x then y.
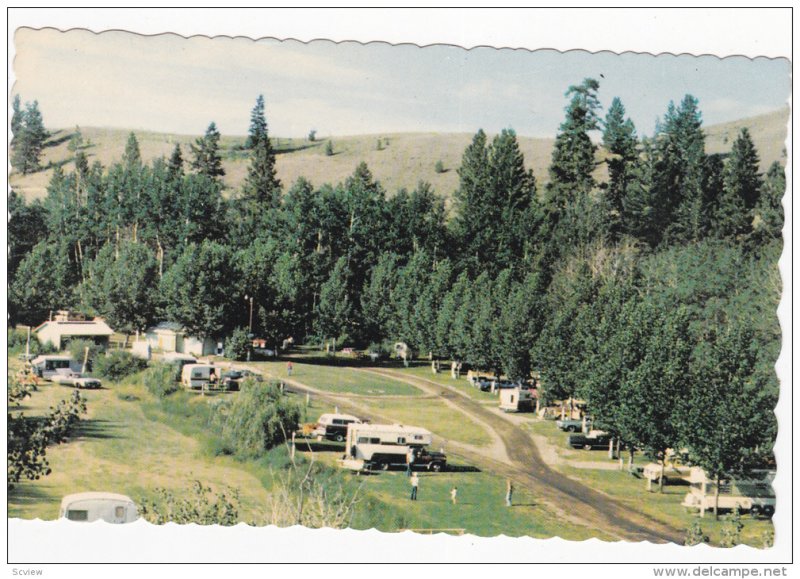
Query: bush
{"type": "Point", "coordinates": [329, 149]}
{"type": "Point", "coordinates": [259, 418]}
{"type": "Point", "coordinates": [77, 349]}
{"type": "Point", "coordinates": [201, 506]}
{"type": "Point", "coordinates": [17, 340]}
{"type": "Point", "coordinates": [312, 135]}
{"type": "Point", "coordinates": [237, 345]}
{"type": "Point", "coordinates": [118, 364]}
{"type": "Point", "coordinates": [160, 380]}
{"type": "Point", "coordinates": [439, 167]}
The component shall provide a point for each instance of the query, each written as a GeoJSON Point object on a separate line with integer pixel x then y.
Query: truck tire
{"type": "Point", "coordinates": [755, 510]}
{"type": "Point", "coordinates": [572, 429]}
{"type": "Point", "coordinates": [383, 465]}
{"type": "Point", "coordinates": [435, 466]}
{"type": "Point", "coordinates": [587, 447]}
{"type": "Point", "coordinates": [339, 438]}
{"type": "Point", "coordinates": [769, 510]}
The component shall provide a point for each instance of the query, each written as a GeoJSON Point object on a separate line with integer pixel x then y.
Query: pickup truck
{"type": "Point", "coordinates": [592, 441]}
{"type": "Point", "coordinates": [430, 460]}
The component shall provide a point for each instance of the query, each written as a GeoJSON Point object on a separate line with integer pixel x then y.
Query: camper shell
{"type": "Point", "coordinates": [334, 426]}
{"type": "Point", "coordinates": [94, 506]}
{"type": "Point", "coordinates": [384, 445]}
{"type": "Point", "coordinates": [199, 376]}
{"type": "Point", "coordinates": [50, 366]}
{"type": "Point", "coordinates": [753, 494]}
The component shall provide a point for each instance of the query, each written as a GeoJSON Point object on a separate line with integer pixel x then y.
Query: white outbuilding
{"type": "Point", "coordinates": [167, 337]}
{"type": "Point", "coordinates": [66, 326]}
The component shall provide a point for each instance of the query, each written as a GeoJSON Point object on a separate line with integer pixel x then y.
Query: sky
{"type": "Point", "coordinates": [168, 83]}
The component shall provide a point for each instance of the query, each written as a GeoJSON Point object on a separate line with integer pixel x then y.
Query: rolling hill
{"type": "Point", "coordinates": [404, 158]}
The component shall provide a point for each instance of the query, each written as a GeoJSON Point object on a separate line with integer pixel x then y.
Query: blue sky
{"type": "Point", "coordinates": [171, 84]}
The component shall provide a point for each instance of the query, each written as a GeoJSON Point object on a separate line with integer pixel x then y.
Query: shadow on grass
{"type": "Point", "coordinates": [55, 142]}
{"type": "Point", "coordinates": [318, 446]}
{"type": "Point", "coordinates": [27, 493]}
{"type": "Point", "coordinates": [95, 428]}
{"type": "Point", "coordinates": [296, 148]}
{"type": "Point", "coordinates": [461, 468]}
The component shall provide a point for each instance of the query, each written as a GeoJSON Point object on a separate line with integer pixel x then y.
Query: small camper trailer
{"type": "Point", "coordinates": [753, 494]}
{"type": "Point", "coordinates": [383, 445]}
{"type": "Point", "coordinates": [89, 507]}
{"type": "Point", "coordinates": [516, 400]}
{"type": "Point", "coordinates": [47, 367]}
{"type": "Point", "coordinates": [202, 376]}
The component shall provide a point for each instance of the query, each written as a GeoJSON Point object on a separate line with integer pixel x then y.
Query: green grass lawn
{"type": "Point", "coordinates": [444, 378]}
{"type": "Point", "coordinates": [338, 379]}
{"type": "Point", "coordinates": [436, 416]}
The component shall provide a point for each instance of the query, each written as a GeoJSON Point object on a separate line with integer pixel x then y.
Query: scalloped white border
{"type": "Point", "coordinates": [718, 32]}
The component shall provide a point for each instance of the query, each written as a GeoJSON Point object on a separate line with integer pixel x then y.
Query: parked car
{"type": "Point", "coordinates": [595, 440]}
{"type": "Point", "coordinates": [573, 425]}
{"type": "Point", "coordinates": [79, 382]}
{"type": "Point", "coordinates": [232, 379]}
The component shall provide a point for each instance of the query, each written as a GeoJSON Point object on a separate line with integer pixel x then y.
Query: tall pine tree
{"type": "Point", "coordinates": [207, 160]}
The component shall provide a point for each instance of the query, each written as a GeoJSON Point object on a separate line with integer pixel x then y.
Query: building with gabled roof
{"type": "Point", "coordinates": [66, 326]}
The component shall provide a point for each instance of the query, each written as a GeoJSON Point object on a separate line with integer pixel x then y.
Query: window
{"type": "Point", "coordinates": [363, 440]}
{"type": "Point", "coordinates": [119, 512]}
{"type": "Point", "coordinates": [78, 515]}
{"type": "Point", "coordinates": [401, 440]}
{"type": "Point", "coordinates": [417, 437]}
{"type": "Point", "coordinates": [338, 421]}
{"type": "Point", "coordinates": [375, 440]}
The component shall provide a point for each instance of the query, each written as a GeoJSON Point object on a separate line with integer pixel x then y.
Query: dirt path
{"type": "Point", "coordinates": [518, 459]}
{"type": "Point", "coordinates": [585, 504]}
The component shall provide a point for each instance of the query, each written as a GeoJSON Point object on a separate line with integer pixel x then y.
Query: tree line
{"type": "Point", "coordinates": [621, 289]}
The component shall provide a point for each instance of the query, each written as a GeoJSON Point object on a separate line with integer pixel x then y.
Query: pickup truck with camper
{"type": "Point", "coordinates": [381, 446]}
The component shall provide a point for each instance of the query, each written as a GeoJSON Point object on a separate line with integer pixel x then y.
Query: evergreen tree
{"type": "Point", "coordinates": [31, 138]}
{"type": "Point", "coordinates": [678, 174]}
{"type": "Point", "coordinates": [573, 153]}
{"type": "Point", "coordinates": [768, 222]}
{"type": "Point", "coordinates": [207, 160]}
{"type": "Point", "coordinates": [17, 119]}
{"type": "Point", "coordinates": [175, 169]}
{"type": "Point", "coordinates": [258, 124]}
{"type": "Point", "coordinates": [619, 139]}
{"type": "Point", "coordinates": [132, 157]}
{"type": "Point", "coordinates": [733, 215]}
{"type": "Point", "coordinates": [335, 318]}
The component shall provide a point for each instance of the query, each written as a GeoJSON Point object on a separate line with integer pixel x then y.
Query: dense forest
{"type": "Point", "coordinates": [652, 295]}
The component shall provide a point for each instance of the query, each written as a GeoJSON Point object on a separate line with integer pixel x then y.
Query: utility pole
{"type": "Point", "coordinates": [250, 327]}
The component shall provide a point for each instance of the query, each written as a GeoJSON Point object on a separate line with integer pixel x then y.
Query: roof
{"type": "Point", "coordinates": [94, 496]}
{"type": "Point", "coordinates": [169, 326]}
{"type": "Point", "coordinates": [44, 358]}
{"type": "Point", "coordinates": [96, 327]}
{"type": "Point", "coordinates": [390, 427]}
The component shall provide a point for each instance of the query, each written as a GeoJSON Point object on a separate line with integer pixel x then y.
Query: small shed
{"type": "Point", "coordinates": [65, 327]}
{"type": "Point", "coordinates": [172, 337]}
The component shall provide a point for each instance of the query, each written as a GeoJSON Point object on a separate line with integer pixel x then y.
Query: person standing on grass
{"type": "Point", "coordinates": [509, 492]}
{"type": "Point", "coordinates": [453, 494]}
{"type": "Point", "coordinates": [414, 486]}
{"type": "Point", "coordinates": [289, 368]}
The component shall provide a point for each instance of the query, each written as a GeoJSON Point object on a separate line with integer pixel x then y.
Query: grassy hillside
{"type": "Point", "coordinates": [405, 158]}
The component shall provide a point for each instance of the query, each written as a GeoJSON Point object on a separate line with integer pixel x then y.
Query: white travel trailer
{"type": "Point", "coordinates": [754, 494]}
{"type": "Point", "coordinates": [202, 376]}
{"type": "Point", "coordinates": [382, 445]}
{"type": "Point", "coordinates": [516, 400]}
{"type": "Point", "coordinates": [49, 366]}
{"type": "Point", "coordinates": [89, 507]}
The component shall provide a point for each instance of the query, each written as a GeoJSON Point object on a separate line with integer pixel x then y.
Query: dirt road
{"type": "Point", "coordinates": [523, 463]}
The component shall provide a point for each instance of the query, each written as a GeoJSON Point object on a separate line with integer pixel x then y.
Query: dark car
{"type": "Point", "coordinates": [430, 460]}
{"type": "Point", "coordinates": [596, 442]}
{"type": "Point", "coordinates": [232, 379]}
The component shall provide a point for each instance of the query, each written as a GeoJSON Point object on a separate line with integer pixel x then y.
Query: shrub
{"type": "Point", "coordinates": [202, 506]}
{"type": "Point", "coordinates": [17, 340]}
{"type": "Point", "coordinates": [118, 364]}
{"type": "Point", "coordinates": [329, 149]}
{"type": "Point", "coordinates": [312, 135]}
{"type": "Point", "coordinates": [77, 349]}
{"type": "Point", "coordinates": [237, 345]}
{"type": "Point", "coordinates": [439, 167]}
{"type": "Point", "coordinates": [259, 418]}
{"type": "Point", "coordinates": [160, 380]}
